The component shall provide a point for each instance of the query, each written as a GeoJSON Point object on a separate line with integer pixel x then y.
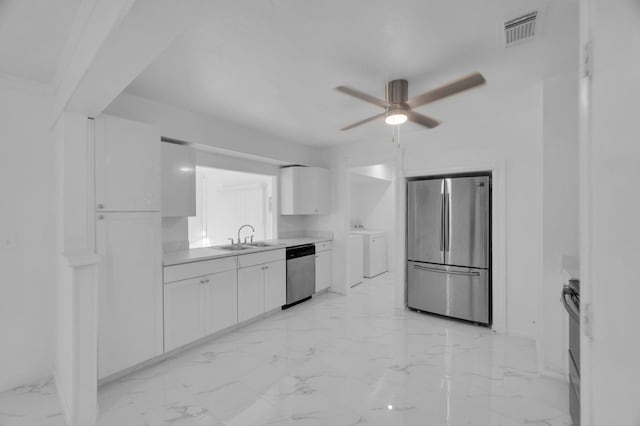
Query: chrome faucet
{"type": "Point", "coordinates": [252, 229]}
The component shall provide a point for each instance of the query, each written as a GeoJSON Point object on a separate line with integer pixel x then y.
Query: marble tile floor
{"type": "Point", "coordinates": [333, 360]}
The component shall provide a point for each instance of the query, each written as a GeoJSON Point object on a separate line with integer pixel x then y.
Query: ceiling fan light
{"type": "Point", "coordinates": [395, 118]}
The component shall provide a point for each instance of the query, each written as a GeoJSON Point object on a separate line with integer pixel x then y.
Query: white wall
{"type": "Point", "coordinates": [27, 237]}
{"type": "Point", "coordinates": [209, 131]}
{"type": "Point", "coordinates": [512, 135]}
{"type": "Point", "coordinates": [609, 210]}
{"type": "Point", "coordinates": [560, 213]}
{"type": "Point", "coordinates": [373, 206]}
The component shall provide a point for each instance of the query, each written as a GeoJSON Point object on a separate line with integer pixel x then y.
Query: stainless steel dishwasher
{"type": "Point", "coordinates": [301, 273]}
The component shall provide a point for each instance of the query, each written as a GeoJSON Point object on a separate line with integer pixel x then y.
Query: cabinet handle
{"type": "Point", "coordinates": [100, 216]}
{"type": "Point", "coordinates": [266, 267]}
{"type": "Point", "coordinates": [101, 206]}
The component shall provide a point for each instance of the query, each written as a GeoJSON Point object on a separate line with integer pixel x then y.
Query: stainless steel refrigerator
{"type": "Point", "coordinates": [448, 246]}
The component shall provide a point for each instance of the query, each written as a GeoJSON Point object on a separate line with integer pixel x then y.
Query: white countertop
{"type": "Point", "coordinates": [207, 253]}
{"type": "Point", "coordinates": [366, 232]}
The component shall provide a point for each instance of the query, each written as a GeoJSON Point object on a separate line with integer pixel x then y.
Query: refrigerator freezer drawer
{"type": "Point", "coordinates": [449, 290]}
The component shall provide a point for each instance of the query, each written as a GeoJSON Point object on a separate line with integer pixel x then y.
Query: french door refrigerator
{"type": "Point", "coordinates": [448, 246]}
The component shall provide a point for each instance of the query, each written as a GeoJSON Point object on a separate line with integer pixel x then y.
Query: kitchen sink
{"type": "Point", "coordinates": [233, 247]}
{"type": "Point", "coordinates": [260, 244]}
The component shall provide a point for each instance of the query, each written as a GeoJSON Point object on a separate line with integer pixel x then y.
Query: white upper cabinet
{"type": "Point", "coordinates": [304, 190]}
{"type": "Point", "coordinates": [178, 180]}
{"type": "Point", "coordinates": [127, 165]}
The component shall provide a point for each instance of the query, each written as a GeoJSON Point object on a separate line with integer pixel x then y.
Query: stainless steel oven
{"type": "Point", "coordinates": [571, 300]}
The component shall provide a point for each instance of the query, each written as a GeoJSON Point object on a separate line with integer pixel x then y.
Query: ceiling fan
{"type": "Point", "coordinates": [398, 108]}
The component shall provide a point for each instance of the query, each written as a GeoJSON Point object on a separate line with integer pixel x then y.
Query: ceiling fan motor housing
{"type": "Point", "coordinates": [397, 94]}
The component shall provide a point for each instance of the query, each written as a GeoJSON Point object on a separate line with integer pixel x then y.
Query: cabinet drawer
{"type": "Point", "coordinates": [323, 246]}
{"type": "Point", "coordinates": [246, 260]}
{"type": "Point", "coordinates": [198, 269]}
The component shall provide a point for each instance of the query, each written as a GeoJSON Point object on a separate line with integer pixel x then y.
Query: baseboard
{"type": "Point", "coordinates": [180, 350]}
{"type": "Point", "coordinates": [66, 410]}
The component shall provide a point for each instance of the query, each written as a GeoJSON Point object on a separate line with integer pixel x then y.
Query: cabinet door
{"type": "Point", "coordinates": [324, 270]}
{"type": "Point", "coordinates": [323, 191]}
{"type": "Point", "coordinates": [304, 194]}
{"type": "Point", "coordinates": [127, 161]}
{"type": "Point", "coordinates": [178, 180]}
{"type": "Point", "coordinates": [275, 285]}
{"type": "Point", "coordinates": [130, 290]}
{"type": "Point", "coordinates": [221, 301]}
{"type": "Point", "coordinates": [184, 312]}
{"type": "Point", "coordinates": [250, 292]}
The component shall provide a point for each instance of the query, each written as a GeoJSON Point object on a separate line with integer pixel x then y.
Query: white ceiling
{"type": "Point", "coordinates": [273, 64]}
{"type": "Point", "coordinates": [32, 36]}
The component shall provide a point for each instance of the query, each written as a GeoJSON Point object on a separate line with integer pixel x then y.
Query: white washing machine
{"type": "Point", "coordinates": [374, 252]}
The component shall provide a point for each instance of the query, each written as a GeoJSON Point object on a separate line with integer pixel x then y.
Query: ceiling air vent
{"type": "Point", "coordinates": [520, 29]}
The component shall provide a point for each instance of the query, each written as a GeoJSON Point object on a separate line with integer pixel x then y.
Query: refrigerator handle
{"type": "Point", "coordinates": [447, 222]}
{"type": "Point", "coordinates": [442, 232]}
{"type": "Point", "coordinates": [445, 271]}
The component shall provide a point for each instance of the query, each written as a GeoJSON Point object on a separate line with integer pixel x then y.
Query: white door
{"type": "Point", "coordinates": [127, 155]}
{"type": "Point", "coordinates": [130, 290]}
{"type": "Point", "coordinates": [323, 270]}
{"type": "Point", "coordinates": [275, 285]}
{"type": "Point", "coordinates": [250, 292]}
{"type": "Point", "coordinates": [184, 312]}
{"type": "Point", "coordinates": [221, 301]}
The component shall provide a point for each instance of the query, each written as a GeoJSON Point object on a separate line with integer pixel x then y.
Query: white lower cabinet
{"type": "Point", "coordinates": [129, 290]}
{"type": "Point", "coordinates": [197, 307]}
{"type": "Point", "coordinates": [250, 292]}
{"type": "Point", "coordinates": [201, 298]}
{"type": "Point", "coordinates": [184, 312]}
{"type": "Point", "coordinates": [275, 285]}
{"type": "Point", "coordinates": [324, 270]}
{"type": "Point", "coordinates": [221, 301]}
{"type": "Point", "coordinates": [261, 288]}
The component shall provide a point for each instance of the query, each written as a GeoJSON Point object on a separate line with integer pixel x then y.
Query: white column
{"type": "Point", "coordinates": [76, 363]}
{"type": "Point", "coordinates": [76, 328]}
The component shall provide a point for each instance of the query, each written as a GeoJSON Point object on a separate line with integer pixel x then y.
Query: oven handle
{"type": "Point", "coordinates": [566, 292]}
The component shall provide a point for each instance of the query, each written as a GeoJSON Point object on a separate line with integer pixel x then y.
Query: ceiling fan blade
{"type": "Point", "coordinates": [457, 86]}
{"type": "Point", "coordinates": [422, 119]}
{"type": "Point", "coordinates": [362, 96]}
{"type": "Point", "coordinates": [366, 120]}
